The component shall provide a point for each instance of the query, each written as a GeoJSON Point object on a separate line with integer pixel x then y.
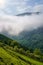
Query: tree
{"type": "Point", "coordinates": [27, 51]}
{"type": "Point", "coordinates": [21, 50]}
{"type": "Point", "coordinates": [37, 51]}
{"type": "Point", "coordinates": [15, 48]}
{"type": "Point", "coordinates": [14, 43]}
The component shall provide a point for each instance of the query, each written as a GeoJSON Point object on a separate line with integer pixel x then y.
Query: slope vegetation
{"type": "Point", "coordinates": [11, 53]}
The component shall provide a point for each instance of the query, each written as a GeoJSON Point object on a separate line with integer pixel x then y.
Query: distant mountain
{"type": "Point", "coordinates": [28, 13]}
{"type": "Point", "coordinates": [4, 38]}
{"type": "Point", "coordinates": [32, 39]}
{"type": "Point", "coordinates": [11, 53]}
{"type": "Point", "coordinates": [29, 39]}
{"type": "Point", "coordinates": [8, 41]}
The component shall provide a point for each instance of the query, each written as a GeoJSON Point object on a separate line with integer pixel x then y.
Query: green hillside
{"type": "Point", "coordinates": [11, 53]}
{"type": "Point", "coordinates": [31, 39]}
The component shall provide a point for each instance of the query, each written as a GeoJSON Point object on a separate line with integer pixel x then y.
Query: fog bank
{"type": "Point", "coordinates": [16, 24]}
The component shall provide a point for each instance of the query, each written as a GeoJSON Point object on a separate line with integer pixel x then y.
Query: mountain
{"type": "Point", "coordinates": [5, 40]}
{"type": "Point", "coordinates": [8, 56]}
{"type": "Point", "coordinates": [12, 53]}
{"type": "Point", "coordinates": [3, 37]}
{"type": "Point", "coordinates": [8, 41]}
{"type": "Point", "coordinates": [31, 39]}
{"type": "Point", "coordinates": [28, 13]}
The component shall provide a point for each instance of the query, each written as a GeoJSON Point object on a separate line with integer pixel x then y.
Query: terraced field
{"type": "Point", "coordinates": [9, 57]}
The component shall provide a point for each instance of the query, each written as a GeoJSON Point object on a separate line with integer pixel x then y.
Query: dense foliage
{"type": "Point", "coordinates": [12, 53]}
{"type": "Point", "coordinates": [32, 39]}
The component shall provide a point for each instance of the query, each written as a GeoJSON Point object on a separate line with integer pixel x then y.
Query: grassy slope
{"type": "Point", "coordinates": [9, 57]}
{"type": "Point", "coordinates": [26, 59]}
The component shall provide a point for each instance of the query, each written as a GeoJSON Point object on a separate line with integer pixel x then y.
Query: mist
{"type": "Point", "coordinates": [16, 24]}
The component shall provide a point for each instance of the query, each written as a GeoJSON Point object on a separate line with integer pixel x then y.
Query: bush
{"type": "Point", "coordinates": [37, 52]}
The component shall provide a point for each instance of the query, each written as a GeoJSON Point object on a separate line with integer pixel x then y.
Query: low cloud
{"type": "Point", "coordinates": [16, 24]}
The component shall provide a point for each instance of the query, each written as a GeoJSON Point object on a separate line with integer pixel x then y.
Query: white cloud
{"type": "Point", "coordinates": [35, 8]}
{"type": "Point", "coordinates": [16, 5]}
{"type": "Point", "coordinates": [22, 6]}
{"type": "Point", "coordinates": [19, 6]}
{"type": "Point", "coordinates": [14, 24]}
{"type": "Point", "coordinates": [38, 8]}
{"type": "Point", "coordinates": [2, 3]}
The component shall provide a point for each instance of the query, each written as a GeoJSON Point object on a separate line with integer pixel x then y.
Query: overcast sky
{"type": "Point", "coordinates": [13, 7]}
{"type": "Point", "coordinates": [14, 24]}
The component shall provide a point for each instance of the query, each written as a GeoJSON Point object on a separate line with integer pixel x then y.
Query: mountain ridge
{"type": "Point", "coordinates": [30, 39]}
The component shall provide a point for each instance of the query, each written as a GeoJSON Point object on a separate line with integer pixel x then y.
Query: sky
{"type": "Point", "coordinates": [13, 7]}
{"type": "Point", "coordinates": [13, 24]}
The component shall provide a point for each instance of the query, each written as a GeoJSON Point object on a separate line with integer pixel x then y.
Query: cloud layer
{"type": "Point", "coordinates": [14, 7]}
{"type": "Point", "coordinates": [2, 3]}
{"type": "Point", "coordinates": [14, 24]}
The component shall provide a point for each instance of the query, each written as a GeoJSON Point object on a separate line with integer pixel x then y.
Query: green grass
{"type": "Point", "coordinates": [24, 58]}
{"type": "Point", "coordinates": [30, 60]}
{"type": "Point", "coordinates": [8, 56]}
{"type": "Point", "coordinates": [7, 59]}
